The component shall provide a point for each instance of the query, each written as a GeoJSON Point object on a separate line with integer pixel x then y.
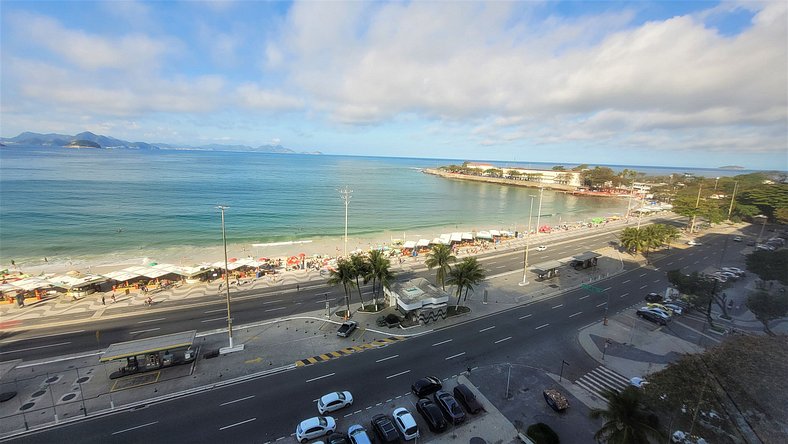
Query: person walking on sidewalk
{"type": "Point", "coordinates": [103, 302]}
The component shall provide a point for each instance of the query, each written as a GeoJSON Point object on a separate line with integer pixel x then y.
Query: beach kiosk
{"type": "Point", "coordinates": [150, 354]}
{"type": "Point", "coordinates": [585, 260]}
{"type": "Point", "coordinates": [546, 270]}
{"type": "Point", "coordinates": [418, 299]}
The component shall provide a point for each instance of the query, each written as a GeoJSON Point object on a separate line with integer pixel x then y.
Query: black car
{"type": "Point", "coordinates": [451, 408]}
{"type": "Point", "coordinates": [385, 429]}
{"type": "Point", "coordinates": [651, 316]}
{"type": "Point", "coordinates": [338, 438]}
{"type": "Point", "coordinates": [432, 415]}
{"type": "Point", "coordinates": [426, 386]}
{"type": "Point", "coordinates": [654, 298]}
{"type": "Point", "coordinates": [468, 400]}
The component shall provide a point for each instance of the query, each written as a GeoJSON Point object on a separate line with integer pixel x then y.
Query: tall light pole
{"type": "Point", "coordinates": [539, 212]}
{"type": "Point", "coordinates": [231, 348]}
{"type": "Point", "coordinates": [527, 239]}
{"type": "Point", "coordinates": [730, 209]}
{"type": "Point", "coordinates": [697, 202]}
{"type": "Point", "coordinates": [345, 194]}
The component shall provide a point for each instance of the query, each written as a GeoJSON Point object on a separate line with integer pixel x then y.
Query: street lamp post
{"type": "Point", "coordinates": [231, 348]}
{"type": "Point", "coordinates": [539, 211]}
{"type": "Point", "coordinates": [527, 242]}
{"type": "Point", "coordinates": [346, 193]}
{"type": "Point", "coordinates": [730, 209]}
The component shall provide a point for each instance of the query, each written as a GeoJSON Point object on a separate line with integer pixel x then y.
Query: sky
{"type": "Point", "coordinates": [674, 83]}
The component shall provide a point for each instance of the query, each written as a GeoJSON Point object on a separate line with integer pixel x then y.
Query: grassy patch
{"type": "Point", "coordinates": [454, 310]}
{"type": "Point", "coordinates": [370, 308]}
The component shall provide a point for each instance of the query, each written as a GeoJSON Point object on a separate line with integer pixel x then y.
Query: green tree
{"type": "Point", "coordinates": [767, 197]}
{"type": "Point", "coordinates": [581, 167]}
{"type": "Point", "coordinates": [769, 265]}
{"type": "Point", "coordinates": [626, 419]}
{"type": "Point", "coordinates": [599, 177]}
{"type": "Point", "coordinates": [360, 270]}
{"type": "Point", "coordinates": [440, 257]}
{"type": "Point", "coordinates": [632, 239]}
{"type": "Point", "coordinates": [767, 307]}
{"type": "Point", "coordinates": [345, 275]}
{"type": "Point", "coordinates": [465, 276]}
{"type": "Point", "coordinates": [559, 168]}
{"type": "Point", "coordinates": [378, 271]}
{"type": "Point", "coordinates": [701, 290]}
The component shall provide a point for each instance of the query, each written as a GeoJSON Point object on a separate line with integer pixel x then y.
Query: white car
{"type": "Point", "coordinates": [693, 243]}
{"type": "Point", "coordinates": [541, 248]}
{"type": "Point", "coordinates": [737, 239]}
{"type": "Point", "coordinates": [406, 424]}
{"type": "Point", "coordinates": [334, 401]}
{"type": "Point", "coordinates": [638, 382]}
{"type": "Point", "coordinates": [735, 270]}
{"type": "Point", "coordinates": [315, 427]}
{"type": "Point", "coordinates": [358, 435]}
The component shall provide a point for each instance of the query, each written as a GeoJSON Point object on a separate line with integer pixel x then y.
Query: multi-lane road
{"type": "Point", "coordinates": [267, 409]}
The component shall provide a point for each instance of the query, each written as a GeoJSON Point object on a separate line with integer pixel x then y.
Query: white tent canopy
{"type": "Point", "coordinates": [66, 281]}
{"type": "Point", "coordinates": [423, 243]}
{"type": "Point", "coordinates": [31, 283]}
{"type": "Point", "coordinates": [467, 236]}
{"type": "Point", "coordinates": [483, 235]}
{"type": "Point", "coordinates": [121, 275]}
{"type": "Point", "coordinates": [495, 233]}
{"type": "Point", "coordinates": [456, 237]}
{"type": "Point", "coordinates": [410, 244]}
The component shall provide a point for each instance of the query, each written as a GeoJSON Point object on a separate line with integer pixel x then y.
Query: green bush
{"type": "Point", "coordinates": [541, 433]}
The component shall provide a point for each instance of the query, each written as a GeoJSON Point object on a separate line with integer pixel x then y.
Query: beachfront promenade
{"type": "Point", "coordinates": [100, 305]}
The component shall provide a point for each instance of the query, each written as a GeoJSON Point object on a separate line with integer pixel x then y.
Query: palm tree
{"type": "Point", "coordinates": [632, 239]}
{"type": "Point", "coordinates": [360, 269]}
{"type": "Point", "coordinates": [465, 275]}
{"type": "Point", "coordinates": [343, 275]}
{"type": "Point", "coordinates": [378, 271]}
{"type": "Point", "coordinates": [440, 256]}
{"type": "Point", "coordinates": [627, 421]}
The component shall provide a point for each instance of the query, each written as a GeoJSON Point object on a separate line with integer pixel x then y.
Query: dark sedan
{"type": "Point", "coordinates": [468, 400]}
{"type": "Point", "coordinates": [652, 316]}
{"type": "Point", "coordinates": [451, 408]}
{"type": "Point", "coordinates": [384, 428]}
{"type": "Point", "coordinates": [432, 415]}
{"type": "Point", "coordinates": [426, 386]}
{"type": "Point", "coordinates": [338, 438]}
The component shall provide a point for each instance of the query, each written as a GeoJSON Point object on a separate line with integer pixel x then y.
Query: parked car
{"type": "Point", "coordinates": [358, 435]}
{"type": "Point", "coordinates": [334, 401]}
{"type": "Point", "coordinates": [346, 328]}
{"type": "Point", "coordinates": [384, 429]}
{"type": "Point", "coordinates": [426, 386]}
{"type": "Point", "coordinates": [338, 438]}
{"type": "Point", "coordinates": [315, 427]}
{"type": "Point", "coordinates": [693, 243]}
{"type": "Point", "coordinates": [406, 424]}
{"type": "Point", "coordinates": [661, 307]}
{"type": "Point", "coordinates": [649, 315]}
{"type": "Point", "coordinates": [432, 415]}
{"type": "Point", "coordinates": [660, 312]}
{"type": "Point", "coordinates": [467, 399]}
{"type": "Point", "coordinates": [674, 308]}
{"type": "Point", "coordinates": [736, 270]}
{"type": "Point", "coordinates": [541, 248]}
{"type": "Point", "coordinates": [638, 382]}
{"type": "Point", "coordinates": [654, 298]}
{"type": "Point", "coordinates": [451, 408]}
{"type": "Point", "coordinates": [737, 239]}
{"type": "Point", "coordinates": [555, 400]}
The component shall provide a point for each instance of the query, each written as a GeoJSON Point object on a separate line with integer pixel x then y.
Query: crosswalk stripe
{"type": "Point", "coordinates": [601, 379]}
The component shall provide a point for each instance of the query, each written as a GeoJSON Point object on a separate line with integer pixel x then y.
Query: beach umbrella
{"type": "Point", "coordinates": [152, 264]}
{"type": "Point", "coordinates": [301, 255]}
{"type": "Point", "coordinates": [263, 259]}
{"type": "Point", "coordinates": [73, 273]}
{"type": "Point", "coordinates": [232, 259]}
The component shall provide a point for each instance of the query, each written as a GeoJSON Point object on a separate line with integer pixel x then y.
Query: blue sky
{"type": "Point", "coordinates": [697, 84]}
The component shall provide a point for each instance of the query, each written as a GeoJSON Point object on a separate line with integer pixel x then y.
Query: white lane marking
{"type": "Point", "coordinates": [397, 374]}
{"type": "Point", "coordinates": [485, 329]}
{"type": "Point", "coordinates": [144, 331]}
{"type": "Point", "coordinates": [215, 311]}
{"type": "Point", "coordinates": [271, 302]}
{"type": "Point", "coordinates": [502, 266]}
{"type": "Point", "coordinates": [214, 319]}
{"type": "Point", "coordinates": [274, 309]}
{"type": "Point", "coordinates": [628, 280]}
{"type": "Point", "coordinates": [643, 287]}
{"type": "Point", "coordinates": [320, 377]}
{"type": "Point", "coordinates": [656, 281]}
{"type": "Point", "coordinates": [454, 356]}
{"type": "Point", "coordinates": [603, 303]}
{"type": "Point", "coordinates": [386, 359]}
{"type": "Point", "coordinates": [669, 264]}
{"type": "Point", "coordinates": [135, 428]}
{"type": "Point", "coordinates": [579, 312]}
{"type": "Point", "coordinates": [442, 342]}
{"type": "Point", "coordinates": [504, 339]}
{"type": "Point", "coordinates": [705, 257]}
{"type": "Point", "coordinates": [357, 411]}
{"type": "Point", "coordinates": [43, 336]}
{"type": "Point", "coordinates": [584, 297]}
{"type": "Point", "coordinates": [624, 295]}
{"type": "Point", "coordinates": [151, 320]}
{"type": "Point", "coordinates": [644, 274]}
{"type": "Point", "coordinates": [237, 424]}
{"type": "Point", "coordinates": [523, 317]}
{"type": "Point", "coordinates": [606, 289]}
{"type": "Point", "coordinates": [696, 263]}
{"type": "Point", "coordinates": [35, 348]}
{"type": "Point", "coordinates": [237, 400]}
{"type": "Point", "coordinates": [558, 306]}
{"type": "Point", "coordinates": [541, 326]}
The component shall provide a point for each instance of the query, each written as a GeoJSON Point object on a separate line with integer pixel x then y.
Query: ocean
{"type": "Point", "coordinates": [105, 205]}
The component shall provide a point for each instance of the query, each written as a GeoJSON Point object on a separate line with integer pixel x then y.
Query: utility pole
{"type": "Point", "coordinates": [539, 212]}
{"type": "Point", "coordinates": [697, 202]}
{"type": "Point", "coordinates": [527, 241]}
{"type": "Point", "coordinates": [231, 348]}
{"type": "Point", "coordinates": [730, 209]}
{"type": "Point", "coordinates": [345, 193]}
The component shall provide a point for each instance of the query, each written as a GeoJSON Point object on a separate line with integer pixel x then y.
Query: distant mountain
{"type": "Point", "coordinates": [731, 167]}
{"type": "Point", "coordinates": [82, 139]}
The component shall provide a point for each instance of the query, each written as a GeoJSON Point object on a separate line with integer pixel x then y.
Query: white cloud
{"type": "Point", "coordinates": [252, 96]}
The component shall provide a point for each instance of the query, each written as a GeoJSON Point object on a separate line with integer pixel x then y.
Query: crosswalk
{"type": "Point", "coordinates": [600, 379]}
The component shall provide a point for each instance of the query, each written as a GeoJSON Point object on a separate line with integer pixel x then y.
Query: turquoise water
{"type": "Point", "coordinates": [62, 204]}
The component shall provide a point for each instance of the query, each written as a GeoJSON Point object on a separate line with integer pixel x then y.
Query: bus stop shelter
{"type": "Point", "coordinates": [585, 260]}
{"type": "Point", "coordinates": [546, 270]}
{"type": "Point", "coordinates": [143, 355]}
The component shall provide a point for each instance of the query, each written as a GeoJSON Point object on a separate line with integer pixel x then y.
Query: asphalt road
{"type": "Point", "coordinates": [269, 408]}
{"type": "Point", "coordinates": [83, 334]}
